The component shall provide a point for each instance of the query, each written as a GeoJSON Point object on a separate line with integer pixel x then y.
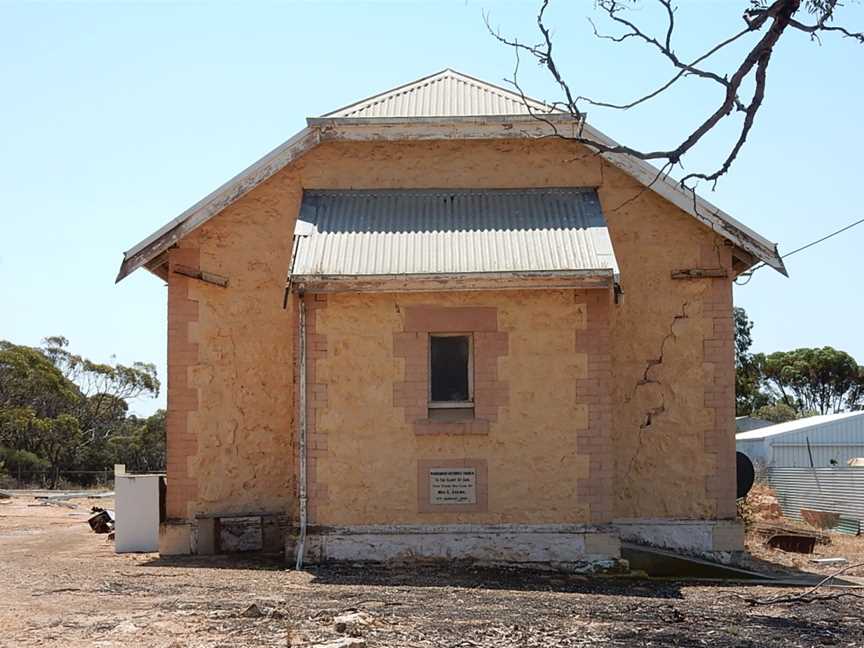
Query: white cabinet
{"type": "Point", "coordinates": [136, 521]}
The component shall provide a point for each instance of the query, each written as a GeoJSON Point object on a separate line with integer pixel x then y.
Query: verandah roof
{"type": "Point", "coordinates": [451, 232]}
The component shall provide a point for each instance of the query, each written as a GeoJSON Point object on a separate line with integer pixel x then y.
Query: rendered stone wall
{"type": "Point", "coordinates": [534, 467]}
{"type": "Point", "coordinates": [672, 435]}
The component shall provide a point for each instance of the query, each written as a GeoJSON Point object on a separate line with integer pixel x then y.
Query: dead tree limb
{"type": "Point", "coordinates": [810, 595]}
{"type": "Point", "coordinates": [770, 19]}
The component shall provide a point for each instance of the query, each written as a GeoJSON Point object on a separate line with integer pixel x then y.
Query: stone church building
{"type": "Point", "coordinates": [423, 328]}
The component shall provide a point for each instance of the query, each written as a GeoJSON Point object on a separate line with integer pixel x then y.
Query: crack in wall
{"type": "Point", "coordinates": [647, 379]}
{"type": "Point", "coordinates": [646, 375]}
{"type": "Point", "coordinates": [237, 381]}
{"type": "Point", "coordinates": [650, 414]}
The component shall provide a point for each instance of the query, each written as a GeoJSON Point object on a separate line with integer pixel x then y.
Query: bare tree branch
{"type": "Point", "coordinates": [770, 18]}
{"type": "Point", "coordinates": [814, 30]}
{"type": "Point", "coordinates": [681, 73]}
{"type": "Point", "coordinates": [613, 8]}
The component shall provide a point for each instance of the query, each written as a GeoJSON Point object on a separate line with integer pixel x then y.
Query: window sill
{"type": "Point", "coordinates": [468, 426]}
{"type": "Point", "coordinates": [450, 414]}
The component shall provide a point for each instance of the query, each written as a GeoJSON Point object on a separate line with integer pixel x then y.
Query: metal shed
{"type": "Point", "coordinates": [749, 423]}
{"type": "Point", "coordinates": [825, 497]}
{"type": "Point", "coordinates": [818, 441]}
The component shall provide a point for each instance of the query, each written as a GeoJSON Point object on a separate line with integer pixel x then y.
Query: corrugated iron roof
{"type": "Point", "coordinates": [458, 101]}
{"type": "Point", "coordinates": [445, 231]}
{"type": "Point", "coordinates": [445, 94]}
{"type": "Point", "coordinates": [821, 422]}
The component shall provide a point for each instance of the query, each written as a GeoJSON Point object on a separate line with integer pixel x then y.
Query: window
{"type": "Point", "coordinates": [450, 375]}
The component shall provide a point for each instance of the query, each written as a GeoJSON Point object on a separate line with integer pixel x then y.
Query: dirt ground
{"type": "Point", "coordinates": [61, 585]}
{"type": "Point", "coordinates": [762, 508]}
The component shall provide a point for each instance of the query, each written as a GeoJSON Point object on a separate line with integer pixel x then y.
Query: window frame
{"type": "Point", "coordinates": [469, 404]}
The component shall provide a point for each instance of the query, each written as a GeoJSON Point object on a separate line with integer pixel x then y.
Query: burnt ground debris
{"type": "Point", "coordinates": [62, 585]}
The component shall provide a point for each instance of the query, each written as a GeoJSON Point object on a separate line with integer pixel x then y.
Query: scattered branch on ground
{"type": "Point", "coordinates": [811, 595]}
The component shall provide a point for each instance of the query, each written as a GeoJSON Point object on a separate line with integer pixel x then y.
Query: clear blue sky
{"type": "Point", "coordinates": [115, 118]}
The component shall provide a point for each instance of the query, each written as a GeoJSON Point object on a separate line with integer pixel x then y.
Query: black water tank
{"type": "Point", "coordinates": [746, 474]}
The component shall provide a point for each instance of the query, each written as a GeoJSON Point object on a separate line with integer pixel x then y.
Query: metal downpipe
{"type": "Point", "coordinates": [301, 544]}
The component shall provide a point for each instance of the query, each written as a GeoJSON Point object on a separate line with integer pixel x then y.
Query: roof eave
{"type": "Point", "coordinates": [418, 128]}
{"type": "Point", "coordinates": [527, 126]}
{"type": "Point", "coordinates": [433, 282]}
{"type": "Point", "coordinates": [520, 118]}
{"type": "Point", "coordinates": [689, 201]}
{"type": "Point", "coordinates": [216, 201]}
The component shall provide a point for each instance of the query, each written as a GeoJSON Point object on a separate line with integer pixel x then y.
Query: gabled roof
{"type": "Point", "coordinates": [445, 94]}
{"type": "Point", "coordinates": [375, 232]}
{"type": "Point", "coordinates": [446, 105]}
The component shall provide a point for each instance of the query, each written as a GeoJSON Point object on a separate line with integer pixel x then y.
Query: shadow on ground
{"type": "Point", "coordinates": [470, 578]}
{"type": "Point", "coordinates": [260, 562]}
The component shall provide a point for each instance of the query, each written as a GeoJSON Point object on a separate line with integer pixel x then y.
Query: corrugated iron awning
{"type": "Point", "coordinates": [446, 232]}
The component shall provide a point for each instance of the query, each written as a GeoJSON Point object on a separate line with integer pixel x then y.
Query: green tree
{"type": "Point", "coordinates": [141, 443]}
{"type": "Point", "coordinates": [28, 379]}
{"type": "Point", "coordinates": [748, 368]}
{"type": "Point", "coordinates": [16, 462]}
{"type": "Point", "coordinates": [743, 333]}
{"type": "Point", "coordinates": [62, 410]}
{"type": "Point", "coordinates": [105, 388]}
{"type": "Point", "coordinates": [102, 409]}
{"type": "Point", "coordinates": [821, 381]}
{"type": "Point", "coordinates": [35, 400]}
{"type": "Point", "coordinates": [776, 413]}
{"type": "Point", "coordinates": [59, 443]}
{"type": "Point", "coordinates": [855, 397]}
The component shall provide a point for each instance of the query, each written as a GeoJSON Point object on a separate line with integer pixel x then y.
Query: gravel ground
{"type": "Point", "coordinates": [61, 585]}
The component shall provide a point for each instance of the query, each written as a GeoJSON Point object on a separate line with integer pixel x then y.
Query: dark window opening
{"type": "Point", "coordinates": [450, 369]}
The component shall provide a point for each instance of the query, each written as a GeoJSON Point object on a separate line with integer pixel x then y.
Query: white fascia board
{"type": "Point", "coordinates": [166, 236]}
{"type": "Point", "coordinates": [690, 202]}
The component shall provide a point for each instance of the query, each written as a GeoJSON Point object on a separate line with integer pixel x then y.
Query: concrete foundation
{"type": "Point", "coordinates": [175, 538]}
{"type": "Point", "coordinates": [566, 547]}
{"type": "Point", "coordinates": [218, 534]}
{"type": "Point", "coordinates": [721, 540]}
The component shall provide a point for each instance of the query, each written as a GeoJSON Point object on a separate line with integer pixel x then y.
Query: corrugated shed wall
{"type": "Point", "coordinates": [835, 490]}
{"type": "Point", "coordinates": [796, 455]}
{"type": "Point", "coordinates": [755, 449]}
{"type": "Point", "coordinates": [840, 440]}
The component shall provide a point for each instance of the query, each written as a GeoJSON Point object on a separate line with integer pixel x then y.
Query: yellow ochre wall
{"type": "Point", "coordinates": [369, 463]}
{"type": "Point", "coordinates": [231, 424]}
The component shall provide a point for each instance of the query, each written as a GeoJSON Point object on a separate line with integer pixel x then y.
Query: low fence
{"type": "Point", "coordinates": [44, 478]}
{"type": "Point", "coordinates": [830, 496]}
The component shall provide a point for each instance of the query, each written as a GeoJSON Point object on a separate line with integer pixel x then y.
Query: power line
{"type": "Point", "coordinates": [824, 238]}
{"type": "Point", "coordinates": [749, 275]}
